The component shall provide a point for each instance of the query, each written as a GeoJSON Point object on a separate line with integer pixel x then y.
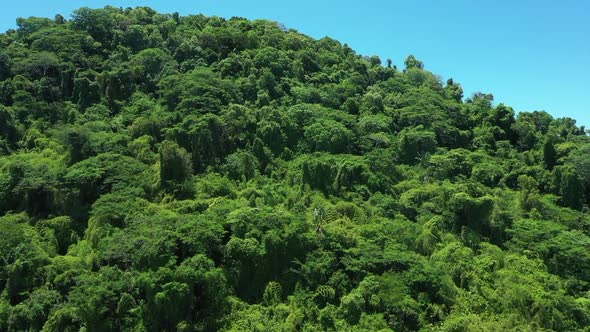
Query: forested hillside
{"type": "Point", "coordinates": [161, 172]}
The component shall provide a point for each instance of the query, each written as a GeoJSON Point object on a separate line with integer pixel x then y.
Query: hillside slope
{"type": "Point", "coordinates": [163, 173]}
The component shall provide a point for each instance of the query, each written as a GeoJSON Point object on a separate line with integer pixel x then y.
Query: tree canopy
{"type": "Point", "coordinates": [161, 172]}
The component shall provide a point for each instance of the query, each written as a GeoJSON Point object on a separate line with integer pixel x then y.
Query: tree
{"type": "Point", "coordinates": [328, 135]}
{"type": "Point", "coordinates": [241, 165]}
{"type": "Point", "coordinates": [102, 174]}
{"type": "Point", "coordinates": [454, 91]}
{"type": "Point", "coordinates": [416, 143]}
{"type": "Point", "coordinates": [148, 67]}
{"type": "Point", "coordinates": [59, 19]}
{"type": "Point", "coordinates": [98, 23]}
{"type": "Point", "coordinates": [549, 154]}
{"type": "Point", "coordinates": [28, 26]}
{"type": "Point", "coordinates": [86, 90]}
{"type": "Point", "coordinates": [4, 66]}
{"type": "Point", "coordinates": [175, 165]}
{"type": "Point", "coordinates": [412, 62]}
{"type": "Point", "coordinates": [571, 189]}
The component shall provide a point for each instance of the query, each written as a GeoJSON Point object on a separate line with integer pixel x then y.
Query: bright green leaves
{"type": "Point", "coordinates": [329, 136]}
{"type": "Point", "coordinates": [149, 67]}
{"type": "Point", "coordinates": [200, 89]}
{"type": "Point", "coordinates": [571, 188]}
{"type": "Point", "coordinates": [161, 172]}
{"type": "Point", "coordinates": [332, 174]}
{"type": "Point", "coordinates": [415, 144]}
{"type": "Point", "coordinates": [175, 165]}
{"type": "Point", "coordinates": [30, 182]}
{"type": "Point", "coordinates": [86, 89]}
{"type": "Point", "coordinates": [241, 165]}
{"type": "Point", "coordinates": [560, 248]}
{"type": "Point", "coordinates": [23, 257]}
{"type": "Point", "coordinates": [412, 62]}
{"type": "Point", "coordinates": [97, 23]}
{"type": "Point", "coordinates": [102, 174]}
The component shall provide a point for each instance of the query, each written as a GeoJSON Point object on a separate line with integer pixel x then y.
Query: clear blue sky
{"type": "Point", "coordinates": [531, 55]}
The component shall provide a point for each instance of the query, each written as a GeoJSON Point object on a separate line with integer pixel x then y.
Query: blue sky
{"type": "Point", "coordinates": [531, 55]}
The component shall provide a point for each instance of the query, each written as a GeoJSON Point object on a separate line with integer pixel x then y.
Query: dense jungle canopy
{"type": "Point", "coordinates": [161, 172]}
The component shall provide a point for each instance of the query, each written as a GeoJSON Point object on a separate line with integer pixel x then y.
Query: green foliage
{"type": "Point", "coordinates": [412, 62]}
{"type": "Point", "coordinates": [161, 172]}
{"type": "Point", "coordinates": [175, 165]}
{"type": "Point", "coordinates": [329, 136]}
{"type": "Point", "coordinates": [549, 154]}
{"type": "Point", "coordinates": [416, 144]}
{"type": "Point", "coordinates": [571, 188]}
